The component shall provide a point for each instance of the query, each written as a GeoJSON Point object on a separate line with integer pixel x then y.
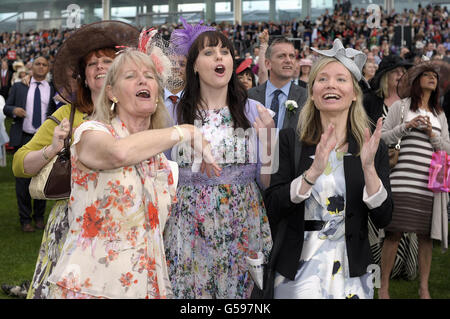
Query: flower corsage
{"type": "Point", "coordinates": [291, 106]}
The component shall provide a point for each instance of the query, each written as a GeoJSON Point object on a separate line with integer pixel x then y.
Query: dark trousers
{"type": "Point", "coordinates": [23, 195]}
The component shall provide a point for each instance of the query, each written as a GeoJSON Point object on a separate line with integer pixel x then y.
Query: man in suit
{"type": "Point", "coordinates": [174, 90]}
{"type": "Point", "coordinates": [280, 62]}
{"type": "Point", "coordinates": [29, 107]}
{"type": "Point", "coordinates": [5, 79]}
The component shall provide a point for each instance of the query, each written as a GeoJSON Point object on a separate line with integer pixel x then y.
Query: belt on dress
{"type": "Point", "coordinates": [314, 225]}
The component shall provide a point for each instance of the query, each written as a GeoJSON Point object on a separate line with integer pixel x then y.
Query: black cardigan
{"type": "Point", "coordinates": [279, 205]}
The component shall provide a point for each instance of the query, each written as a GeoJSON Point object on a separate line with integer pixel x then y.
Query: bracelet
{"type": "Point", "coordinates": [306, 180]}
{"type": "Point", "coordinates": [180, 132]}
{"type": "Point", "coordinates": [43, 153]}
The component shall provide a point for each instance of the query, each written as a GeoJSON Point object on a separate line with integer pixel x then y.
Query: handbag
{"type": "Point", "coordinates": [53, 180]}
{"type": "Point", "coordinates": [267, 291]}
{"type": "Point", "coordinates": [394, 150]}
{"type": "Point", "coordinates": [438, 178]}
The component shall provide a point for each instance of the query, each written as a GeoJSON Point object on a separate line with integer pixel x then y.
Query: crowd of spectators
{"type": "Point", "coordinates": [428, 26]}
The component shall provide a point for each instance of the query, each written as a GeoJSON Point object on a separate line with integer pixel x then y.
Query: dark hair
{"type": "Point", "coordinates": [83, 101]}
{"type": "Point", "coordinates": [251, 74]}
{"type": "Point", "coordinates": [416, 96]}
{"type": "Point", "coordinates": [187, 109]}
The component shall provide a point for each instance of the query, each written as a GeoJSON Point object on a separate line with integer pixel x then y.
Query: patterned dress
{"type": "Point", "coordinates": [324, 270]}
{"type": "Point", "coordinates": [216, 221]}
{"type": "Point", "coordinates": [114, 247]}
{"type": "Point", "coordinates": [53, 239]}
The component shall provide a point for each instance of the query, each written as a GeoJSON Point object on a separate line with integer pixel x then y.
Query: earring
{"type": "Point", "coordinates": [113, 105]}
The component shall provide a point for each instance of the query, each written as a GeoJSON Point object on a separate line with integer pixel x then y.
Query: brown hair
{"type": "Point", "coordinates": [83, 101]}
{"type": "Point", "coordinates": [188, 109]}
{"type": "Point", "coordinates": [416, 95]}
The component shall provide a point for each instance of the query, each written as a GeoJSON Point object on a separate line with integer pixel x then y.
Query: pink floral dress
{"type": "Point", "coordinates": [114, 248]}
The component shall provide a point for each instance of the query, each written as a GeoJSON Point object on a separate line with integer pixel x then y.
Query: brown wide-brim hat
{"type": "Point", "coordinates": [440, 67]}
{"type": "Point", "coordinates": [91, 37]}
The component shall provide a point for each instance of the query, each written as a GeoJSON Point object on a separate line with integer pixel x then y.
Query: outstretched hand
{"type": "Point", "coordinates": [370, 145]}
{"type": "Point", "coordinates": [263, 122]}
{"type": "Point", "coordinates": [208, 164]}
{"type": "Point", "coordinates": [59, 134]}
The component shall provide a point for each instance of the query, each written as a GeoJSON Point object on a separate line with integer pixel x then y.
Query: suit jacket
{"type": "Point", "coordinates": [296, 93]}
{"type": "Point", "coordinates": [4, 89]}
{"type": "Point", "coordinates": [279, 206]}
{"type": "Point", "coordinates": [18, 98]}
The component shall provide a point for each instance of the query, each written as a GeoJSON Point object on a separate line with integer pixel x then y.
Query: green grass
{"type": "Point", "coordinates": [19, 251]}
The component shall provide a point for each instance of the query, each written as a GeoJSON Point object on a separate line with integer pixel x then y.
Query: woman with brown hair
{"type": "Point", "coordinates": [217, 222]}
{"type": "Point", "coordinates": [79, 72]}
{"type": "Point", "coordinates": [377, 102]}
{"type": "Point", "coordinates": [419, 120]}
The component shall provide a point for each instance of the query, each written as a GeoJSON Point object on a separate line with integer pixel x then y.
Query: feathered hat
{"type": "Point", "coordinates": [182, 39]}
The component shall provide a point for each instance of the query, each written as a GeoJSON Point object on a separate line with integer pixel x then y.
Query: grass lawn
{"type": "Point", "coordinates": [18, 250]}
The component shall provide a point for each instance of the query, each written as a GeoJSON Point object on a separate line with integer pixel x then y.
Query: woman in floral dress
{"type": "Point", "coordinates": [88, 63]}
{"type": "Point", "coordinates": [217, 222]}
{"type": "Point", "coordinates": [122, 190]}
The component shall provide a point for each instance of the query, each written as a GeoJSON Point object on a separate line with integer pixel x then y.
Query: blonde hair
{"type": "Point", "coordinates": [383, 90]}
{"type": "Point", "coordinates": [309, 126]}
{"type": "Point", "coordinates": [102, 109]}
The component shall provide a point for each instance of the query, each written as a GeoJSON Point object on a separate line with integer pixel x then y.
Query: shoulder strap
{"type": "Point", "coordinates": [54, 119]}
{"type": "Point", "coordinates": [397, 146]}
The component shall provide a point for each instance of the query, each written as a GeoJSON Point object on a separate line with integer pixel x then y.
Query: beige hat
{"type": "Point", "coordinates": [17, 64]}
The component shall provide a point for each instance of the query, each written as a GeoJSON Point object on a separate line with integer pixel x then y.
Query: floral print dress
{"type": "Point", "coordinates": [217, 221]}
{"type": "Point", "coordinates": [114, 248]}
{"type": "Point", "coordinates": [324, 270]}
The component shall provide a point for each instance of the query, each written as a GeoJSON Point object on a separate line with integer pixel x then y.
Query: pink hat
{"type": "Point", "coordinates": [307, 62]}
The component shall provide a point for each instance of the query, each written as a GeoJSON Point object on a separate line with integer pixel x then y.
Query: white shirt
{"type": "Point", "coordinates": [44, 87]}
{"type": "Point", "coordinates": [168, 102]}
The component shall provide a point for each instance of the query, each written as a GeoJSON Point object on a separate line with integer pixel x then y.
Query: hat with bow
{"type": "Point", "coordinates": [352, 59]}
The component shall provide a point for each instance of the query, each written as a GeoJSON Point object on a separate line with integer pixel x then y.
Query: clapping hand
{"type": "Point", "coordinates": [326, 144]}
{"type": "Point", "coordinates": [370, 145]}
{"type": "Point", "coordinates": [202, 147]}
{"type": "Point", "coordinates": [263, 122]}
{"type": "Point", "coordinates": [208, 164]}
